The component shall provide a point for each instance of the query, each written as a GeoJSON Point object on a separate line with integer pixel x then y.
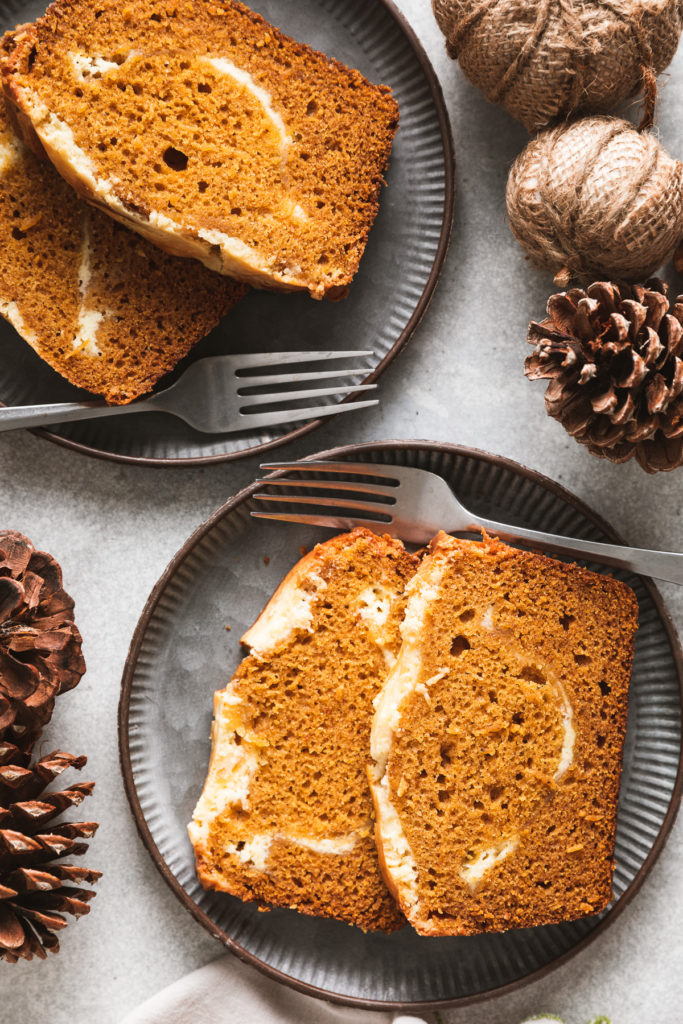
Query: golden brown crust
{"type": "Point", "coordinates": [300, 215]}
{"type": "Point", "coordinates": [20, 123]}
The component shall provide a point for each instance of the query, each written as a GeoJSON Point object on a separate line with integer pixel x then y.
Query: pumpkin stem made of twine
{"type": "Point", "coordinates": [563, 277]}
{"type": "Point", "coordinates": [648, 75]}
{"type": "Point", "coordinates": [650, 97]}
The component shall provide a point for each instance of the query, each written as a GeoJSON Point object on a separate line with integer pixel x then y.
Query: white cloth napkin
{"type": "Point", "coordinates": [227, 992]}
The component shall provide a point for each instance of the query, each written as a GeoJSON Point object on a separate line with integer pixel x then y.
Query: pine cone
{"type": "Point", "coordinates": [614, 359]}
{"type": "Point", "coordinates": [36, 888]}
{"type": "Point", "coordinates": [40, 646]}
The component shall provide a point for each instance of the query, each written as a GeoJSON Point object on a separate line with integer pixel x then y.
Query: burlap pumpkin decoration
{"type": "Point", "coordinates": [596, 199]}
{"type": "Point", "coordinates": [547, 59]}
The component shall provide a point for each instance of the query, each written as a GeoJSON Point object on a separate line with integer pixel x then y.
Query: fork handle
{"type": "Point", "coordinates": [16, 416]}
{"type": "Point", "coordinates": [663, 565]}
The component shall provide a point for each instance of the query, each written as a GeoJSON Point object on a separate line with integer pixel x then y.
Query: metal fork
{"type": "Point", "coordinates": [209, 396]}
{"type": "Point", "coordinates": [414, 504]}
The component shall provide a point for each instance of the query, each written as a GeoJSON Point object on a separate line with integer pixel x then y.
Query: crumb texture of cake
{"type": "Point", "coordinates": [107, 310]}
{"type": "Point", "coordinates": [211, 133]}
{"type": "Point", "coordinates": [286, 816]}
{"type": "Point", "coordinates": [497, 740]}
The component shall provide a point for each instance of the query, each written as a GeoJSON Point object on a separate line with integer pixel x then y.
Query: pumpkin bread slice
{"type": "Point", "coordinates": [102, 306]}
{"type": "Point", "coordinates": [285, 817]}
{"type": "Point", "coordinates": [211, 133]}
{"type": "Point", "coordinates": [497, 740]}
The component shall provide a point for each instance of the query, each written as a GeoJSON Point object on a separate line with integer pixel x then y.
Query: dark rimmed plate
{"type": "Point", "coordinates": [181, 653]}
{"type": "Point", "coordinates": [394, 285]}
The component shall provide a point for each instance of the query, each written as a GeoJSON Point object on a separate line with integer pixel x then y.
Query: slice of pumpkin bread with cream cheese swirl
{"type": "Point", "coordinates": [104, 308]}
{"type": "Point", "coordinates": [497, 740]}
{"type": "Point", "coordinates": [285, 817]}
{"type": "Point", "coordinates": [211, 133]}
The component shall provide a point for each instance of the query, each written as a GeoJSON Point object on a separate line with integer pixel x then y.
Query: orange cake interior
{"type": "Point", "coordinates": [497, 740]}
{"type": "Point", "coordinates": [210, 132]}
{"type": "Point", "coordinates": [103, 307]}
{"type": "Point", "coordinates": [285, 817]}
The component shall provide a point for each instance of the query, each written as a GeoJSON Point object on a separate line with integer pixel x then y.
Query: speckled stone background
{"type": "Point", "coordinates": [114, 528]}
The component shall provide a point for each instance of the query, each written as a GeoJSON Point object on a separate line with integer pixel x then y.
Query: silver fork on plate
{"type": "Point", "coordinates": [414, 504]}
{"type": "Point", "coordinates": [209, 396]}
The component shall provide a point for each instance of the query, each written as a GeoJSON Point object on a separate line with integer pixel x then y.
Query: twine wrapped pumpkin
{"type": "Point", "coordinates": [547, 59]}
{"type": "Point", "coordinates": [596, 199]}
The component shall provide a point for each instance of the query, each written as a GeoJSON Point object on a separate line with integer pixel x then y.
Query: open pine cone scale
{"type": "Point", "coordinates": [40, 646]}
{"type": "Point", "coordinates": [613, 356]}
{"type": "Point", "coordinates": [37, 889]}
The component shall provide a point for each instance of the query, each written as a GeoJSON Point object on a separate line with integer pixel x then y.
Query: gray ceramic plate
{"type": "Point", "coordinates": [181, 653]}
{"type": "Point", "coordinates": [398, 272]}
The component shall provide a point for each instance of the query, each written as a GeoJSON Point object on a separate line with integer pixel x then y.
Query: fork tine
{"type": "Point", "coordinates": [304, 499]}
{"type": "Point", "coordinates": [282, 358]}
{"type": "Point", "coordinates": [316, 412]}
{"type": "Point", "coordinates": [334, 522]}
{"type": "Point", "coordinates": [249, 401]}
{"type": "Point", "coordinates": [331, 485]}
{"type": "Point", "coordinates": [348, 468]}
{"type": "Point", "coordinates": [295, 378]}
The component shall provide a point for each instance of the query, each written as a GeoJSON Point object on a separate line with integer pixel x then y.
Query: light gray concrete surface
{"type": "Point", "coordinates": [114, 528]}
